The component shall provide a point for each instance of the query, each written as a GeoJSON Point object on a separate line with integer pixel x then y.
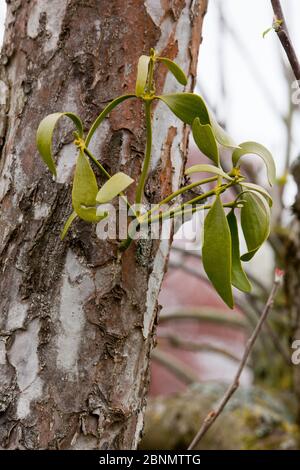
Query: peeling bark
{"type": "Point", "coordinates": [76, 323]}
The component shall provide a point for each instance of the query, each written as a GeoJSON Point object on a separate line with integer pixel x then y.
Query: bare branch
{"type": "Point", "coordinates": [284, 37]}
{"type": "Point", "coordinates": [251, 300]}
{"type": "Point", "coordinates": [174, 365]}
{"type": "Point", "coordinates": [213, 415]}
{"type": "Point", "coordinates": [194, 272]}
{"type": "Point", "coordinates": [277, 342]}
{"type": "Point", "coordinates": [197, 255]}
{"type": "Point", "coordinates": [205, 315]}
{"type": "Point", "coordinates": [188, 345]}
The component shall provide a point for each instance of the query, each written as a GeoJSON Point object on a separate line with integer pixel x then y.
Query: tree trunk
{"type": "Point", "coordinates": [292, 281]}
{"type": "Point", "coordinates": [77, 323]}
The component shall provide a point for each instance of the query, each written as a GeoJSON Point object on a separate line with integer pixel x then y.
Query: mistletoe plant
{"type": "Point", "coordinates": [221, 248]}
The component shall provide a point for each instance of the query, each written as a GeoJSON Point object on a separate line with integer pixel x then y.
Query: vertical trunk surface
{"type": "Point", "coordinates": [293, 281]}
{"type": "Point", "coordinates": [76, 322]}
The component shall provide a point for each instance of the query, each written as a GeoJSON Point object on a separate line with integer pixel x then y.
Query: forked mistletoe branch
{"type": "Point", "coordinates": [221, 253]}
{"type": "Point", "coordinates": [213, 415]}
{"type": "Point", "coordinates": [281, 29]}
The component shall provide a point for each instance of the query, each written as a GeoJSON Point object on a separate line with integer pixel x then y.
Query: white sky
{"type": "Point", "coordinates": [246, 110]}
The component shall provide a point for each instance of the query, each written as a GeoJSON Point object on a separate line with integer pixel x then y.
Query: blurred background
{"type": "Point", "coordinates": [247, 82]}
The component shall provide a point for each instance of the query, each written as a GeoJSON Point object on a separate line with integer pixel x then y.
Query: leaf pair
{"type": "Point", "coordinates": [221, 253]}
{"type": "Point", "coordinates": [46, 128]}
{"type": "Point", "coordinates": [141, 82]}
{"type": "Point", "coordinates": [85, 193]}
{"type": "Point", "coordinates": [143, 72]}
{"type": "Point", "coordinates": [207, 133]}
{"type": "Point", "coordinates": [216, 251]}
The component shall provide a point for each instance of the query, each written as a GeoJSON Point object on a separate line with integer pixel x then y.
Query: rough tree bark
{"type": "Point", "coordinates": [77, 324]}
{"type": "Point", "coordinates": [292, 279]}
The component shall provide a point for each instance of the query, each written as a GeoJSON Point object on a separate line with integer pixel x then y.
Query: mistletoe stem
{"type": "Point", "coordinates": [99, 165]}
{"type": "Point", "coordinates": [178, 192]}
{"type": "Point", "coordinates": [142, 180]}
{"type": "Point", "coordinates": [177, 210]}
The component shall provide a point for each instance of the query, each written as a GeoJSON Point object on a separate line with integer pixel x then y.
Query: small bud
{"type": "Point", "coordinates": [279, 273]}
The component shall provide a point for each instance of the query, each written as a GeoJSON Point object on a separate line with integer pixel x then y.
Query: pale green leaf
{"type": "Point", "coordinates": [45, 132]}
{"type": "Point", "coordinates": [205, 140]}
{"type": "Point", "coordinates": [205, 168]}
{"type": "Point", "coordinates": [174, 69]}
{"type": "Point", "coordinates": [142, 75]}
{"type": "Point", "coordinates": [222, 137]}
{"type": "Point", "coordinates": [68, 225]}
{"type": "Point", "coordinates": [85, 190]}
{"type": "Point", "coordinates": [238, 276]}
{"type": "Point", "coordinates": [275, 27]}
{"type": "Point", "coordinates": [216, 251]}
{"type": "Point", "coordinates": [187, 107]}
{"type": "Point", "coordinates": [104, 113]}
{"type": "Point", "coordinates": [267, 31]}
{"type": "Point", "coordinates": [114, 186]}
{"type": "Point", "coordinates": [261, 151]}
{"type": "Point", "coordinates": [255, 220]}
{"type": "Point", "coordinates": [259, 189]}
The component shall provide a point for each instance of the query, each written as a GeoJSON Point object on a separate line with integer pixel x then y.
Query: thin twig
{"type": "Point", "coordinates": [194, 272]}
{"type": "Point", "coordinates": [187, 345]}
{"type": "Point", "coordinates": [272, 334]}
{"type": "Point", "coordinates": [205, 315]}
{"type": "Point", "coordinates": [174, 365]}
{"type": "Point", "coordinates": [284, 37]}
{"type": "Point", "coordinates": [252, 278]}
{"type": "Point", "coordinates": [252, 301]}
{"type": "Point", "coordinates": [213, 415]}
